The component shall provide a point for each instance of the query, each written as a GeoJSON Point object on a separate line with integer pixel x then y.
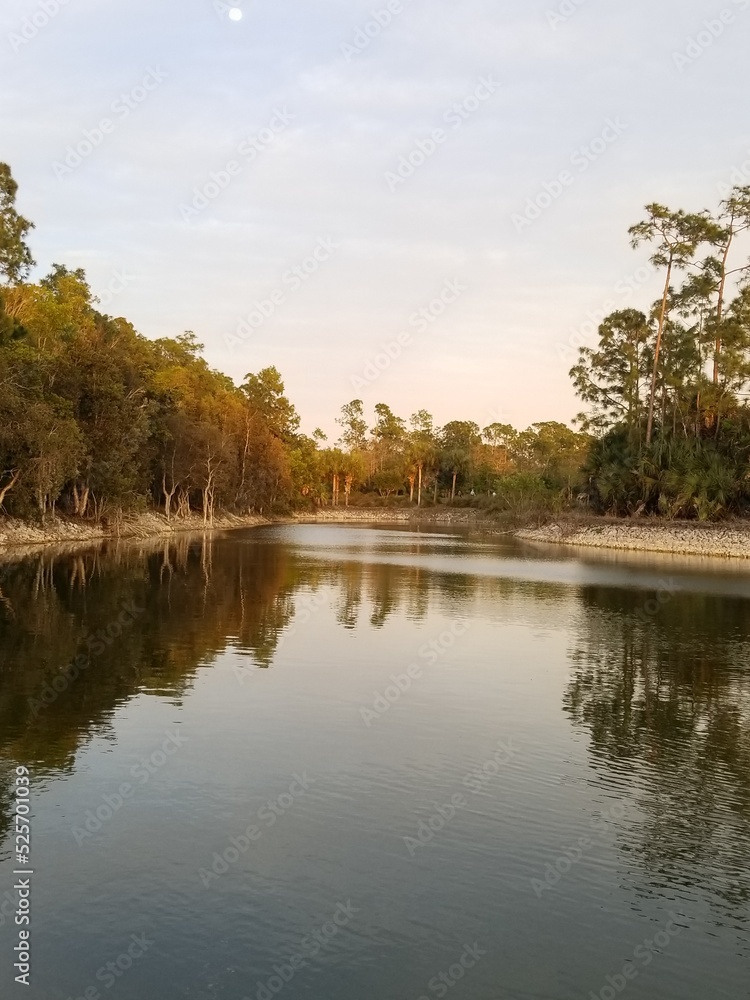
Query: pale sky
{"type": "Point", "coordinates": [316, 104]}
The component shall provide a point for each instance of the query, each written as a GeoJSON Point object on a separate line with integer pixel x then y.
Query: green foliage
{"type": "Point", "coordinates": [95, 419]}
{"type": "Point", "coordinates": [15, 257]}
{"type": "Point", "coordinates": [353, 425]}
{"type": "Point", "coordinates": [527, 494]}
{"type": "Point", "coordinates": [307, 473]}
{"type": "Point", "coordinates": [265, 393]}
{"type": "Point", "coordinates": [666, 393]}
{"type": "Point", "coordinates": [10, 328]}
{"type": "Point", "coordinates": [611, 378]}
{"type": "Point", "coordinates": [676, 478]}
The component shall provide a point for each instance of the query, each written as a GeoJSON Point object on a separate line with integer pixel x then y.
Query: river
{"type": "Point", "coordinates": [335, 762]}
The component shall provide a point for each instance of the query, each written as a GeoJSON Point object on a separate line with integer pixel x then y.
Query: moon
{"type": "Point", "coordinates": [235, 14]}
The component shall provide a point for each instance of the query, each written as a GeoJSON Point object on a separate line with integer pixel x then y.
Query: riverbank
{"type": "Point", "coordinates": [14, 532]}
{"type": "Point", "coordinates": [729, 540]}
{"type": "Point", "coordinates": [397, 515]}
{"type": "Point", "coordinates": [685, 538]}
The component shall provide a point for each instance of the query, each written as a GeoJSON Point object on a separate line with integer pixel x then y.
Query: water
{"type": "Point", "coordinates": [323, 762]}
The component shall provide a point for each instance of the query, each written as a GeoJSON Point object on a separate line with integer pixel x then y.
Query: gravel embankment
{"type": "Point", "coordinates": [386, 515]}
{"type": "Point", "coordinates": [729, 540]}
{"type": "Point", "coordinates": [14, 532]}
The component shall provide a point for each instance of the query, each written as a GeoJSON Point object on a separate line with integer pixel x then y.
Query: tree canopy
{"type": "Point", "coordinates": [97, 419]}
{"type": "Point", "coordinates": [667, 387]}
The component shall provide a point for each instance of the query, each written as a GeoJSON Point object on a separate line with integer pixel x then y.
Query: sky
{"type": "Point", "coordinates": [417, 202]}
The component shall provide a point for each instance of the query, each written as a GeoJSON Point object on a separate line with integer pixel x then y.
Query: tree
{"type": "Point", "coordinates": [333, 463]}
{"type": "Point", "coordinates": [15, 257]}
{"type": "Point", "coordinates": [693, 356]}
{"type": "Point", "coordinates": [458, 440]}
{"type": "Point", "coordinates": [677, 237]}
{"type": "Point", "coordinates": [554, 452]}
{"type": "Point", "coordinates": [54, 312]}
{"type": "Point", "coordinates": [423, 446]}
{"type": "Point", "coordinates": [305, 469]}
{"type": "Point", "coordinates": [353, 424]}
{"type": "Point", "coordinates": [388, 467]}
{"type": "Point", "coordinates": [388, 428]}
{"type": "Point", "coordinates": [10, 328]}
{"type": "Point", "coordinates": [100, 419]}
{"type": "Point", "coordinates": [501, 440]}
{"type": "Point", "coordinates": [54, 445]}
{"type": "Point", "coordinates": [611, 377]}
{"type": "Point", "coordinates": [734, 219]}
{"type": "Point", "coordinates": [265, 394]}
{"type": "Point", "coordinates": [40, 443]}
{"type": "Point", "coordinates": [101, 375]}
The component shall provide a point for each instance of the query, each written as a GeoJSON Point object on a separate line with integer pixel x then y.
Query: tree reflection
{"type": "Point", "coordinates": [664, 699]}
{"type": "Point", "coordinates": [195, 598]}
{"type": "Point", "coordinates": [662, 694]}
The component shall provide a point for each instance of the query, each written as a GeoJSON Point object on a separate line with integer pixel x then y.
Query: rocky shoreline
{"type": "Point", "coordinates": [16, 533]}
{"type": "Point", "coordinates": [730, 540]}
{"type": "Point", "coordinates": [395, 515]}
{"type": "Point", "coordinates": [683, 538]}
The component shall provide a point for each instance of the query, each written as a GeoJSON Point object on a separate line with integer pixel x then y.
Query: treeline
{"type": "Point", "coordinates": [97, 420]}
{"type": "Point", "coordinates": [667, 388]}
{"type": "Point", "coordinates": [502, 468]}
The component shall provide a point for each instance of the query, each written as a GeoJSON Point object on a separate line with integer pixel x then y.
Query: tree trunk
{"type": "Point", "coordinates": [453, 485]}
{"type": "Point", "coordinates": [80, 500]}
{"type": "Point", "coordinates": [245, 451]}
{"type": "Point", "coordinates": [720, 309]}
{"type": "Point", "coordinates": [697, 425]}
{"type": "Point", "coordinates": [168, 494]}
{"type": "Point", "coordinates": [15, 475]}
{"type": "Point", "coordinates": [208, 505]}
{"type": "Point", "coordinates": [657, 351]}
{"type": "Point", "coordinates": [411, 488]}
{"type": "Point", "coordinates": [208, 490]}
{"type": "Point", "coordinates": [183, 504]}
{"type": "Point", "coordinates": [419, 485]}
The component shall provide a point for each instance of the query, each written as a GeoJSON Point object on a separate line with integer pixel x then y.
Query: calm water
{"type": "Point", "coordinates": [339, 763]}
